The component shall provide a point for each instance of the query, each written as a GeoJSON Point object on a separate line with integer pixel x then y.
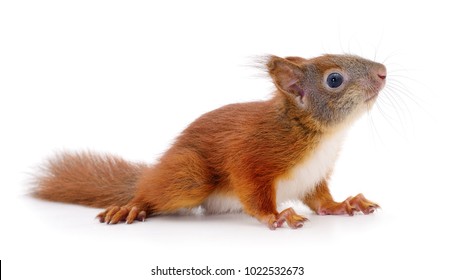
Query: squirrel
{"type": "Point", "coordinates": [240, 157]}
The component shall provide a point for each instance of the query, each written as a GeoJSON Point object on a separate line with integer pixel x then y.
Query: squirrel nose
{"type": "Point", "coordinates": [382, 72]}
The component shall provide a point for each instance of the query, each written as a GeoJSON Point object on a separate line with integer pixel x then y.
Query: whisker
{"type": "Point", "coordinates": [400, 88]}
{"type": "Point", "coordinates": [376, 48]}
{"type": "Point", "coordinates": [391, 55]}
{"type": "Point", "coordinates": [394, 97]}
{"type": "Point", "coordinates": [339, 37]}
{"type": "Point", "coordinates": [399, 98]}
{"type": "Point", "coordinates": [374, 131]}
{"type": "Point", "coordinates": [384, 99]}
{"type": "Point", "coordinates": [390, 120]}
{"type": "Point", "coordinates": [388, 117]}
{"type": "Point", "coordinates": [402, 76]}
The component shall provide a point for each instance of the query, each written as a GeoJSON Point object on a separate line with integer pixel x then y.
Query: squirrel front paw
{"type": "Point", "coordinates": [357, 203]}
{"type": "Point", "coordinates": [292, 219]}
{"type": "Point", "coordinates": [115, 214]}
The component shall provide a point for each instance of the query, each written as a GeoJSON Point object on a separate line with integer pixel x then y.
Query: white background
{"type": "Point", "coordinates": [127, 76]}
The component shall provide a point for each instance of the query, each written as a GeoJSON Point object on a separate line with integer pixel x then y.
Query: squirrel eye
{"type": "Point", "coordinates": [334, 80]}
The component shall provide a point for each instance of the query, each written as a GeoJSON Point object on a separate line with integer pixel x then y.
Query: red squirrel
{"type": "Point", "coordinates": [246, 156]}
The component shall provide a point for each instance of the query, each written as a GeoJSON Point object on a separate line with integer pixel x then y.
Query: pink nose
{"type": "Point", "coordinates": [381, 72]}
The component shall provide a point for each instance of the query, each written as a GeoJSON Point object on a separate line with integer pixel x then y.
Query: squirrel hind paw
{"type": "Point", "coordinates": [127, 214]}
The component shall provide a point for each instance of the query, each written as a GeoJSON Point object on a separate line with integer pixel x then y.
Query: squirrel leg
{"type": "Point", "coordinates": [160, 199]}
{"type": "Point", "coordinates": [165, 189]}
{"type": "Point", "coordinates": [259, 201]}
{"type": "Point", "coordinates": [321, 202]}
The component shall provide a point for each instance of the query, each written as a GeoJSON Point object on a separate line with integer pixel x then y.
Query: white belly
{"type": "Point", "coordinates": [218, 204]}
{"type": "Point", "coordinates": [302, 179]}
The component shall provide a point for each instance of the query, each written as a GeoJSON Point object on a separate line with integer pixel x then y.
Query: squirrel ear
{"type": "Point", "coordinates": [296, 60]}
{"type": "Point", "coordinates": [286, 75]}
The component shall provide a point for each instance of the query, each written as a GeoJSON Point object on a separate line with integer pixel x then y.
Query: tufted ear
{"type": "Point", "coordinates": [287, 75]}
{"type": "Point", "coordinates": [296, 60]}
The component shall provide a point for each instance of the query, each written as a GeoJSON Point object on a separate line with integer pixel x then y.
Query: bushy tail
{"type": "Point", "coordinates": [88, 179]}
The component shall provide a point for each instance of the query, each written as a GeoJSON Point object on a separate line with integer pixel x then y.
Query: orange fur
{"type": "Point", "coordinates": [88, 179]}
{"type": "Point", "coordinates": [238, 150]}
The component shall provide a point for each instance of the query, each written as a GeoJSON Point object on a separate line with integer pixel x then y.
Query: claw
{"type": "Point", "coordinates": [120, 215]}
{"type": "Point", "coordinates": [115, 214]}
{"type": "Point", "coordinates": [111, 211]}
{"type": "Point", "coordinates": [141, 216]}
{"type": "Point", "coordinates": [101, 217]}
{"type": "Point", "coordinates": [288, 215]}
{"type": "Point", "coordinates": [293, 220]}
{"type": "Point", "coordinates": [364, 205]}
{"type": "Point", "coordinates": [270, 221]}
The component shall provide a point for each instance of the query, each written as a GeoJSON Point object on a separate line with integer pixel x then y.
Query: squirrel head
{"type": "Point", "coordinates": [331, 89]}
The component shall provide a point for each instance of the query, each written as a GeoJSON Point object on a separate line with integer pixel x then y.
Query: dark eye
{"type": "Point", "coordinates": [334, 80]}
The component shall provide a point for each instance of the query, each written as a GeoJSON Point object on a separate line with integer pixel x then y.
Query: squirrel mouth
{"type": "Point", "coordinates": [372, 95]}
{"type": "Point", "coordinates": [378, 84]}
